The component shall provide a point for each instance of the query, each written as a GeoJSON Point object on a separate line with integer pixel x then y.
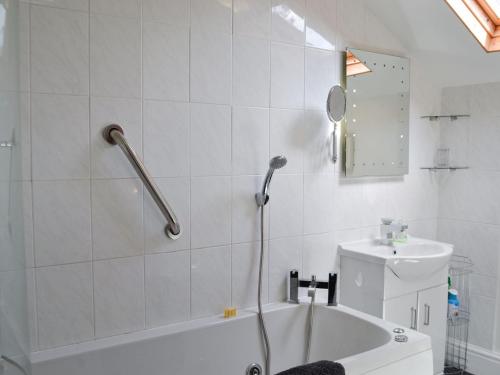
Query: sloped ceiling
{"type": "Point", "coordinates": [438, 41]}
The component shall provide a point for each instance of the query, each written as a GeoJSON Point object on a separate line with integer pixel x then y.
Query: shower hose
{"type": "Point", "coordinates": [263, 330]}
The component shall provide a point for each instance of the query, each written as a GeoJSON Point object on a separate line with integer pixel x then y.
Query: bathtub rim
{"type": "Point", "coordinates": [359, 363]}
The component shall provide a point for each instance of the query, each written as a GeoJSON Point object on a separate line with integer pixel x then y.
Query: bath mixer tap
{"type": "Point", "coordinates": [311, 291]}
{"type": "Point", "coordinates": [295, 283]}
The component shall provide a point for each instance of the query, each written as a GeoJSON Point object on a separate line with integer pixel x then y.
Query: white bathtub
{"type": "Point", "coordinates": [214, 346]}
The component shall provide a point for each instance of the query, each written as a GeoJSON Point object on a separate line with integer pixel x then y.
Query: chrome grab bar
{"type": "Point", "coordinates": [114, 135]}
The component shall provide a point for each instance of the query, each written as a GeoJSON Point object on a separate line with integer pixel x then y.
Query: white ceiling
{"type": "Point", "coordinates": [438, 41]}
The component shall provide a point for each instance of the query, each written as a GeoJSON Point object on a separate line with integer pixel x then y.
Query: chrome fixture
{"type": "Point", "coordinates": [311, 290]}
{"type": "Point", "coordinates": [401, 338]}
{"type": "Point", "coordinates": [389, 230]}
{"type": "Point", "coordinates": [294, 285]}
{"type": "Point", "coordinates": [254, 369]}
{"type": "Point", "coordinates": [437, 117]}
{"type": "Point", "coordinates": [277, 162]}
{"type": "Point", "coordinates": [311, 293]}
{"type": "Point", "coordinates": [262, 198]}
{"type": "Point", "coordinates": [336, 105]}
{"type": "Point", "coordinates": [114, 135]}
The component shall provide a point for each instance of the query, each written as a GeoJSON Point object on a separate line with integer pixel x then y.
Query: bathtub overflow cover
{"type": "Point", "coordinates": [254, 369]}
{"type": "Point", "coordinates": [398, 330]}
{"type": "Point", "coordinates": [401, 338]}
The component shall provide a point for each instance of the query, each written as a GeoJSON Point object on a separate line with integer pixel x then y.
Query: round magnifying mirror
{"type": "Point", "coordinates": [336, 103]}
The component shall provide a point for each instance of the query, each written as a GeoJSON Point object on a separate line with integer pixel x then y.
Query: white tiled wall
{"type": "Point", "coordinates": [207, 91]}
{"type": "Point", "coordinates": [469, 205]}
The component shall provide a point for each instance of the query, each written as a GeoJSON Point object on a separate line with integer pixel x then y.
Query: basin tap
{"type": "Point", "coordinates": [391, 230]}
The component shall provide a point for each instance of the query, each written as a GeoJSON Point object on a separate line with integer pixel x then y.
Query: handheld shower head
{"type": "Point", "coordinates": [277, 162]}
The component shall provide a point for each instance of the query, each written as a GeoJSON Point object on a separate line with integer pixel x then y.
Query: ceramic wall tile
{"type": "Point", "coordinates": [482, 321]}
{"type": "Point", "coordinates": [287, 76]}
{"type": "Point", "coordinates": [119, 296]}
{"type": "Point", "coordinates": [210, 211]}
{"type": "Point", "coordinates": [59, 51]}
{"type": "Point", "coordinates": [117, 224]}
{"type": "Point", "coordinates": [245, 258]}
{"type": "Point", "coordinates": [285, 254]}
{"type": "Point", "coordinates": [119, 8]}
{"type": "Point", "coordinates": [166, 138]}
{"type": "Point", "coordinates": [318, 256]}
{"type": "Point", "coordinates": [288, 21]}
{"type": "Point", "coordinates": [64, 305]}
{"type": "Point", "coordinates": [115, 56]}
{"type": "Point", "coordinates": [167, 288]}
{"type": "Point", "coordinates": [212, 15]}
{"type": "Point", "coordinates": [174, 12]}
{"type": "Point", "coordinates": [53, 156]}
{"type": "Point", "coordinates": [165, 62]}
{"type": "Point", "coordinates": [318, 203]}
{"type": "Point", "coordinates": [287, 130]}
{"type": "Point", "coordinates": [286, 206]}
{"type": "Point", "coordinates": [319, 77]}
{"type": "Point", "coordinates": [321, 24]}
{"type": "Point", "coordinates": [81, 5]}
{"type": "Point", "coordinates": [210, 74]}
{"type": "Point", "coordinates": [250, 140]}
{"type": "Point", "coordinates": [62, 212]}
{"type": "Point", "coordinates": [317, 142]}
{"type": "Point", "coordinates": [210, 281]}
{"type": "Point", "coordinates": [252, 17]}
{"type": "Point", "coordinates": [210, 140]}
{"type": "Point", "coordinates": [251, 71]}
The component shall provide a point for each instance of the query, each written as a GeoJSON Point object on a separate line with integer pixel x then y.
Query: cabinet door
{"type": "Point", "coordinates": [432, 319]}
{"type": "Point", "coordinates": [402, 310]}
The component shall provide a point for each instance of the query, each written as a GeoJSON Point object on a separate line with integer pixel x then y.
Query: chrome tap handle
{"type": "Point", "coordinates": [293, 286]}
{"type": "Point", "coordinates": [311, 291]}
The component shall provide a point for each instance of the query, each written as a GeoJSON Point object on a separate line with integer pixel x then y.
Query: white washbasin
{"type": "Point", "coordinates": [416, 259]}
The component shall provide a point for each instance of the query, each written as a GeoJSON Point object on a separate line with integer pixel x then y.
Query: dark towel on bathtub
{"type": "Point", "coordinates": [316, 368]}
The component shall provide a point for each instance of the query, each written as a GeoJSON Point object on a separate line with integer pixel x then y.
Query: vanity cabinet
{"type": "Point", "coordinates": [419, 304]}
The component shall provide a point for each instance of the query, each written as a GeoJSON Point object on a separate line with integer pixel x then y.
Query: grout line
{"type": "Point", "coordinates": [231, 156]}
{"type": "Point", "coordinates": [91, 184]}
{"type": "Point", "coordinates": [141, 49]}
{"type": "Point", "coordinates": [190, 36]}
{"type": "Point", "coordinates": [35, 283]}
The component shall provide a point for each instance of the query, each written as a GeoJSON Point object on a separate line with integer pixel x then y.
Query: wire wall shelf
{"type": "Point", "coordinates": [450, 168]}
{"type": "Point", "coordinates": [451, 117]}
{"type": "Point", "coordinates": [458, 316]}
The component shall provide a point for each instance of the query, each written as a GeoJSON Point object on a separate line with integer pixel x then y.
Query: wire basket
{"type": "Point", "coordinates": [458, 317]}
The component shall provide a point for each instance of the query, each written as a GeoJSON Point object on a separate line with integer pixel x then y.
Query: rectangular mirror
{"type": "Point", "coordinates": [376, 131]}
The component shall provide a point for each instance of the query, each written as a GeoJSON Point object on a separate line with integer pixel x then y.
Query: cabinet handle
{"type": "Point", "coordinates": [413, 323]}
{"type": "Point", "coordinates": [427, 316]}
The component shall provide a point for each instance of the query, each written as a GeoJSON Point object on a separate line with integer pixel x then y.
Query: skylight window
{"type": "Point", "coordinates": [355, 66]}
{"type": "Point", "coordinates": [482, 18]}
